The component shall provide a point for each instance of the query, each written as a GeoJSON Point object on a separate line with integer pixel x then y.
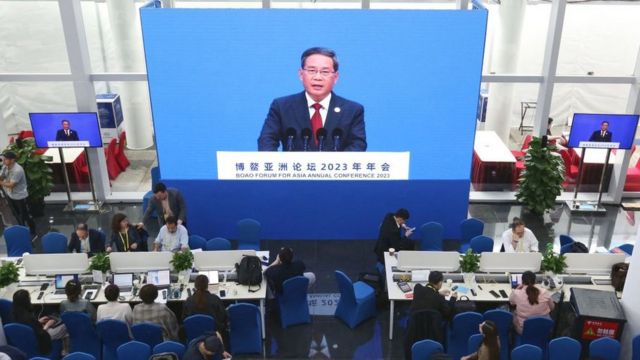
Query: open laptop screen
{"type": "Point", "coordinates": [123, 280]}
{"type": "Point", "coordinates": [61, 280]}
{"type": "Point", "coordinates": [158, 277]}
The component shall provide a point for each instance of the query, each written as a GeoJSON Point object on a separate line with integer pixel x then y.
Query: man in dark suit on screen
{"type": "Point", "coordinates": [294, 118]}
{"type": "Point", "coordinates": [66, 134]}
{"type": "Point", "coordinates": [602, 135]}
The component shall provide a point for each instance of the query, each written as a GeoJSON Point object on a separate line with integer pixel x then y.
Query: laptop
{"type": "Point", "coordinates": [61, 281]}
{"type": "Point", "coordinates": [124, 282]}
{"type": "Point", "coordinates": [159, 278]}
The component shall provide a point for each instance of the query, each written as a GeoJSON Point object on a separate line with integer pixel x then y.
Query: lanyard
{"type": "Point", "coordinates": [125, 240]}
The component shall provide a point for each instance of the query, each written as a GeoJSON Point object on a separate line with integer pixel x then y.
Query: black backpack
{"type": "Point", "coordinates": [250, 271]}
{"type": "Point", "coordinates": [578, 247]}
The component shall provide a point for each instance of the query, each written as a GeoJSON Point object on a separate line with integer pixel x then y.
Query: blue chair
{"type": "Point", "coordinates": [148, 333]}
{"type": "Point", "coordinates": [197, 325]}
{"type": "Point", "coordinates": [469, 228]}
{"type": "Point", "coordinates": [503, 320]}
{"type": "Point", "coordinates": [6, 311]}
{"type": "Point", "coordinates": [218, 243]}
{"type": "Point", "coordinates": [170, 346]}
{"type": "Point", "coordinates": [432, 234]}
{"type": "Point", "coordinates": [423, 349]}
{"type": "Point", "coordinates": [463, 326]}
{"type": "Point", "coordinates": [480, 244]}
{"type": "Point", "coordinates": [628, 248]}
{"type": "Point", "coordinates": [113, 333]}
{"type": "Point", "coordinates": [155, 176]}
{"type": "Point", "coordinates": [197, 242]}
{"type": "Point", "coordinates": [636, 348]}
{"type": "Point", "coordinates": [23, 337]}
{"type": "Point", "coordinates": [54, 243]}
{"type": "Point", "coordinates": [249, 234]}
{"type": "Point", "coordinates": [245, 329]}
{"type": "Point", "coordinates": [536, 331]}
{"type": "Point", "coordinates": [566, 248]}
{"type": "Point", "coordinates": [79, 356]}
{"type": "Point", "coordinates": [294, 308]}
{"type": "Point", "coordinates": [605, 348]}
{"type": "Point", "coordinates": [564, 348]}
{"type": "Point", "coordinates": [526, 352]}
{"type": "Point", "coordinates": [357, 301]}
{"type": "Point", "coordinates": [566, 240]}
{"type": "Point", "coordinates": [134, 350]}
{"type": "Point", "coordinates": [18, 240]}
{"type": "Point", "coordinates": [82, 333]}
{"type": "Point", "coordinates": [474, 343]}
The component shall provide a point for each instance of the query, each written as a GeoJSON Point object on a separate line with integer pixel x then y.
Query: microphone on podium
{"type": "Point", "coordinates": [336, 134]}
{"type": "Point", "coordinates": [306, 135]}
{"type": "Point", "coordinates": [291, 135]}
{"type": "Point", "coordinates": [321, 134]}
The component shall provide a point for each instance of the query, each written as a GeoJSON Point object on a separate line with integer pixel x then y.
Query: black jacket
{"type": "Point", "coordinates": [213, 306]}
{"type": "Point", "coordinates": [42, 336]}
{"type": "Point", "coordinates": [427, 298]}
{"type": "Point", "coordinates": [117, 241]}
{"type": "Point", "coordinates": [96, 242]}
{"type": "Point", "coordinates": [391, 237]}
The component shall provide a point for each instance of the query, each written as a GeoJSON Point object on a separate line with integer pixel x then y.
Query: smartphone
{"type": "Point", "coordinates": [454, 288]}
{"type": "Point", "coordinates": [495, 294]}
{"type": "Point", "coordinates": [223, 293]}
{"type": "Point", "coordinates": [44, 286]}
{"type": "Point", "coordinates": [504, 294]}
{"type": "Point", "coordinates": [404, 286]}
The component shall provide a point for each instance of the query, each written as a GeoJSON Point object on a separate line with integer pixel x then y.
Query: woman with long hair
{"type": "Point", "coordinates": [206, 303]}
{"type": "Point", "coordinates": [123, 236]}
{"type": "Point", "coordinates": [490, 347]}
{"type": "Point", "coordinates": [23, 314]}
{"type": "Point", "coordinates": [529, 300]}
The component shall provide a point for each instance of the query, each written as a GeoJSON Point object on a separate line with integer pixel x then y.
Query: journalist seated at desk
{"type": "Point", "coordinates": [85, 240]}
{"type": "Point", "coordinates": [205, 303]}
{"type": "Point", "coordinates": [45, 328]}
{"type": "Point", "coordinates": [172, 236]}
{"type": "Point", "coordinates": [529, 300]}
{"type": "Point", "coordinates": [284, 268]}
{"type": "Point", "coordinates": [150, 311]}
{"type": "Point", "coordinates": [518, 238]}
{"type": "Point", "coordinates": [73, 289]}
{"type": "Point", "coordinates": [114, 310]}
{"type": "Point", "coordinates": [432, 296]}
{"type": "Point", "coordinates": [124, 237]}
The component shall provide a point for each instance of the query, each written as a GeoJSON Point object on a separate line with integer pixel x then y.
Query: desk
{"type": "Point", "coordinates": [484, 295]}
{"type": "Point", "coordinates": [233, 291]}
{"type": "Point", "coordinates": [70, 156]}
{"type": "Point", "coordinates": [493, 162]}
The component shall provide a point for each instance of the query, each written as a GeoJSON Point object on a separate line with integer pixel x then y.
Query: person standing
{"type": "Point", "coordinates": [390, 234]}
{"type": "Point", "coordinates": [166, 202]}
{"type": "Point", "coordinates": [14, 183]}
{"type": "Point", "coordinates": [66, 134]}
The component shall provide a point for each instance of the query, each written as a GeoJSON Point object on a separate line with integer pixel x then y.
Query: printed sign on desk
{"type": "Point", "coordinates": [595, 329]}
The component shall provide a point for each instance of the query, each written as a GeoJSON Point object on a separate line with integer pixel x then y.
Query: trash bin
{"type": "Point", "coordinates": [598, 314]}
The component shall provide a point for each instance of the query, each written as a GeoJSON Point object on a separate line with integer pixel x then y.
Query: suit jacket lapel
{"type": "Point", "coordinates": [301, 110]}
{"type": "Point", "coordinates": [333, 117]}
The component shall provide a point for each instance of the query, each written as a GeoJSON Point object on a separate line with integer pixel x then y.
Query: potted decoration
{"type": "Point", "coordinates": [469, 265]}
{"type": "Point", "coordinates": [39, 174]}
{"type": "Point", "coordinates": [541, 180]}
{"type": "Point", "coordinates": [8, 276]}
{"type": "Point", "coordinates": [552, 263]}
{"type": "Point", "coordinates": [182, 262]}
{"type": "Point", "coordinates": [100, 262]}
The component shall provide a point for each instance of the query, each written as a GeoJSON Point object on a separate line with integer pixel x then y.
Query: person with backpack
{"type": "Point", "coordinates": [284, 268]}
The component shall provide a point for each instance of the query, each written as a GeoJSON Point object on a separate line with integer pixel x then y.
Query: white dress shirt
{"type": "Point", "coordinates": [528, 242]}
{"type": "Point", "coordinates": [323, 110]}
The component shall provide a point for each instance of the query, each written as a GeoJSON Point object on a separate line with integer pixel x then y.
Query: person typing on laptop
{"type": "Point", "coordinates": [172, 237]}
{"type": "Point", "coordinates": [150, 311]}
{"type": "Point", "coordinates": [114, 310]}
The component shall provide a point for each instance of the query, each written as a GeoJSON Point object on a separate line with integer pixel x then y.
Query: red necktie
{"type": "Point", "coordinates": [316, 120]}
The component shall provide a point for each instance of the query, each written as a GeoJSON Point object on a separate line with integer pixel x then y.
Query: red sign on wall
{"type": "Point", "coordinates": [594, 329]}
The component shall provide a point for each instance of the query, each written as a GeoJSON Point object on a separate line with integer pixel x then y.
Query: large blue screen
{"type": "Point", "coordinates": [213, 74]}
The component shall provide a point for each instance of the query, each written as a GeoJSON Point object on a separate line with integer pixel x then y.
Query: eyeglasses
{"type": "Point", "coordinates": [323, 73]}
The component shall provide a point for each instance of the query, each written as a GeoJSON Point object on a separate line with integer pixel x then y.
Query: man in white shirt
{"type": "Point", "coordinates": [113, 310]}
{"type": "Point", "coordinates": [518, 238]}
{"type": "Point", "coordinates": [172, 237]}
{"type": "Point", "coordinates": [14, 183]}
